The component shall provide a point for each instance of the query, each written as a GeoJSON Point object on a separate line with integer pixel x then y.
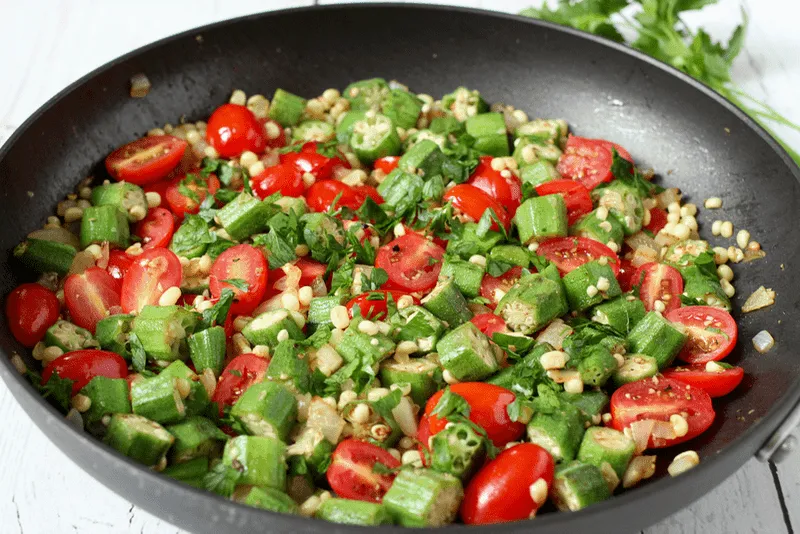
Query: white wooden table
{"type": "Point", "coordinates": [49, 43]}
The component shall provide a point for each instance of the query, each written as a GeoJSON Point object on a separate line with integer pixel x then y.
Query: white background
{"type": "Point", "coordinates": [45, 45]}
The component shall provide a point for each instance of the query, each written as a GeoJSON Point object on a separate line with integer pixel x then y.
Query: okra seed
{"type": "Point", "coordinates": [273, 130]}
{"type": "Point", "coordinates": [679, 425]}
{"type": "Point", "coordinates": [238, 97]}
{"type": "Point", "coordinates": [533, 247]}
{"type": "Point", "coordinates": [673, 217]}
{"type": "Point", "coordinates": [404, 302]}
{"type": "Point", "coordinates": [183, 386]}
{"type": "Point", "coordinates": [713, 203]}
{"type": "Point", "coordinates": [302, 250]}
{"type": "Point", "coordinates": [156, 131]}
{"type": "Point", "coordinates": [714, 367]}
{"type": "Point", "coordinates": [538, 491]}
{"type": "Point", "coordinates": [211, 152]}
{"type": "Point", "coordinates": [51, 353]}
{"type": "Point", "coordinates": [406, 443]}
{"type": "Point", "coordinates": [290, 302]}
{"type": "Point", "coordinates": [406, 347]}
{"type": "Point", "coordinates": [659, 306]}
{"type": "Point", "coordinates": [674, 207]}
{"type": "Point", "coordinates": [170, 296]}
{"type": "Point", "coordinates": [194, 137]}
{"type": "Point", "coordinates": [137, 212]}
{"type": "Point", "coordinates": [690, 222]}
{"type": "Point", "coordinates": [554, 359]}
{"type": "Point", "coordinates": [340, 317]}
{"type": "Point", "coordinates": [725, 272]}
{"type": "Point", "coordinates": [728, 288]}
{"type": "Point", "coordinates": [613, 246]}
{"type": "Point", "coordinates": [412, 458]}
{"type": "Point", "coordinates": [310, 506]}
{"type": "Point", "coordinates": [603, 260]}
{"type": "Point", "coordinates": [603, 284]}
{"type": "Point", "coordinates": [283, 335]}
{"type": "Point", "coordinates": [449, 378]}
{"type": "Point", "coordinates": [305, 294]}
{"type": "Point", "coordinates": [85, 193]}
{"type": "Point", "coordinates": [73, 214]}
{"type": "Point", "coordinates": [620, 359]}
{"type": "Point", "coordinates": [573, 385]}
{"type": "Point", "coordinates": [681, 231]}
{"type": "Point", "coordinates": [735, 254]}
{"type": "Point", "coordinates": [377, 394]}
{"type": "Point", "coordinates": [591, 291]}
{"type": "Point", "coordinates": [209, 381]}
{"type": "Point", "coordinates": [602, 213]}
{"type": "Point", "coordinates": [368, 327]}
{"type": "Point", "coordinates": [743, 238]}
{"type": "Point", "coordinates": [605, 225]}
{"type": "Point", "coordinates": [330, 401]}
{"type": "Point", "coordinates": [720, 255]}
{"type": "Point", "coordinates": [477, 259]}
{"type": "Point", "coordinates": [240, 322]}
{"type": "Point", "coordinates": [346, 398]}
{"type": "Point", "coordinates": [256, 168]}
{"type": "Point", "coordinates": [647, 218]}
{"type": "Point", "coordinates": [95, 251]}
{"type": "Point", "coordinates": [360, 414]}
{"type": "Point", "coordinates": [726, 229]}
{"type": "Point", "coordinates": [606, 417]}
{"type": "Point", "coordinates": [53, 221]}
{"type": "Point", "coordinates": [247, 159]}
{"type": "Point", "coordinates": [153, 199]}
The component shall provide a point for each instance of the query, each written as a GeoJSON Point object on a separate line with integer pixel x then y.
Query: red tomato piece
{"type": "Point", "coordinates": [83, 365]}
{"type": "Point", "coordinates": [500, 492]}
{"type": "Point", "coordinates": [489, 323]}
{"type": "Point", "coordinates": [118, 263]}
{"type": "Point", "coordinates": [387, 163]}
{"type": "Point", "coordinates": [284, 179]}
{"type": "Point", "coordinates": [156, 229]}
{"type": "Point", "coordinates": [233, 129]}
{"type": "Point", "coordinates": [242, 372]}
{"type": "Point", "coordinates": [473, 202]}
{"type": "Point", "coordinates": [506, 191]}
{"type": "Point", "coordinates": [151, 273]}
{"type": "Point", "coordinates": [159, 187]}
{"type": "Point", "coordinates": [321, 195]}
{"type": "Point", "coordinates": [311, 161]}
{"type": "Point", "coordinates": [715, 383]}
{"type": "Point", "coordinates": [364, 191]}
{"type": "Point", "coordinates": [589, 160]}
{"type": "Point", "coordinates": [310, 270]}
{"type": "Point", "coordinates": [658, 220]}
{"type": "Point", "coordinates": [491, 284]}
{"type": "Point", "coordinates": [246, 265]}
{"type": "Point", "coordinates": [186, 193]}
{"type": "Point", "coordinates": [658, 399]}
{"type": "Point", "coordinates": [625, 276]}
{"type": "Point", "coordinates": [569, 253]}
{"type": "Point", "coordinates": [351, 473]}
{"type": "Point", "coordinates": [659, 282]}
{"type": "Point", "coordinates": [146, 160]}
{"type": "Point", "coordinates": [373, 304]}
{"type": "Point", "coordinates": [488, 404]}
{"type": "Point", "coordinates": [712, 333]}
{"type": "Point", "coordinates": [30, 310]}
{"type": "Point", "coordinates": [576, 197]}
{"type": "Point", "coordinates": [275, 134]}
{"type": "Point", "coordinates": [411, 261]}
{"type": "Point", "coordinates": [91, 296]}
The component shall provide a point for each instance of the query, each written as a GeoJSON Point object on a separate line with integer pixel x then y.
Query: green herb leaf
{"type": "Point", "coordinates": [218, 313]}
{"type": "Point", "coordinates": [451, 404]}
{"type": "Point", "coordinates": [57, 389]}
{"type": "Point", "coordinates": [222, 480]}
{"type": "Point", "coordinates": [138, 354]}
{"type": "Point", "coordinates": [238, 283]}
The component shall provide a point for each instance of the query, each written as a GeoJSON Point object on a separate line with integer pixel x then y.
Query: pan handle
{"type": "Point", "coordinates": [783, 441]}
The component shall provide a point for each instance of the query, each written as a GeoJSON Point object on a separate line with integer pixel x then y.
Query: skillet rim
{"type": "Point", "coordinates": [744, 446]}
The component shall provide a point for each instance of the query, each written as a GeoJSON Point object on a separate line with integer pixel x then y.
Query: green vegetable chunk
{"type": "Point", "coordinates": [266, 409]}
{"type": "Point", "coordinates": [489, 131]}
{"type": "Point", "coordinates": [531, 303]}
{"type": "Point", "coordinates": [207, 349]}
{"type": "Point", "coordinates": [624, 203]}
{"type": "Point", "coordinates": [466, 275]}
{"type": "Point", "coordinates": [422, 374]}
{"type": "Point", "coordinates": [244, 216]}
{"type": "Point", "coordinates": [286, 108]}
{"type": "Point", "coordinates": [138, 438]}
{"type": "Point", "coordinates": [541, 217]}
{"type": "Point", "coordinates": [636, 367]}
{"type": "Point", "coordinates": [107, 396]}
{"type": "Point", "coordinates": [423, 498]}
{"type": "Point", "coordinates": [69, 337]}
{"type": "Point", "coordinates": [559, 432]}
{"type": "Point", "coordinates": [196, 437]}
{"type": "Point", "coordinates": [467, 354]}
{"type": "Point", "coordinates": [657, 337]}
{"type": "Point", "coordinates": [261, 460]}
{"type": "Point", "coordinates": [457, 450]}
{"type": "Point", "coordinates": [270, 499]}
{"type": "Point", "coordinates": [163, 330]}
{"type": "Point", "coordinates": [621, 313]}
{"type": "Point", "coordinates": [266, 328]}
{"type": "Point", "coordinates": [375, 137]}
{"type": "Point", "coordinates": [126, 197]}
{"type": "Point", "coordinates": [112, 334]}
{"type": "Point", "coordinates": [104, 223]}
{"type": "Point", "coordinates": [43, 256]}
{"type": "Point", "coordinates": [605, 445]}
{"type": "Point", "coordinates": [578, 485]}
{"type": "Point", "coordinates": [350, 512]}
{"type": "Point", "coordinates": [590, 284]}
{"type": "Point", "coordinates": [597, 366]}
{"type": "Point", "coordinates": [447, 303]}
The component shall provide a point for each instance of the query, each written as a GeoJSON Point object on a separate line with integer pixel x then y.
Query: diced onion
{"type": "Point", "coordinates": [761, 298]}
{"type": "Point", "coordinates": [555, 334]}
{"type": "Point", "coordinates": [140, 85]}
{"type": "Point", "coordinates": [57, 235]}
{"type": "Point", "coordinates": [667, 197]}
{"type": "Point", "coordinates": [763, 341]}
{"type": "Point", "coordinates": [641, 432]}
{"type": "Point", "coordinates": [663, 430]}
{"type": "Point", "coordinates": [325, 419]}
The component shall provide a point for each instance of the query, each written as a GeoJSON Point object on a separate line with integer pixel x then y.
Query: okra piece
{"type": "Point", "coordinates": [107, 396]}
{"type": "Point", "coordinates": [366, 94]}
{"type": "Point", "coordinates": [549, 131]}
{"type": "Point", "coordinates": [375, 137]}
{"type": "Point", "coordinates": [402, 107]}
{"type": "Point", "coordinates": [244, 216]}
{"type": "Point", "coordinates": [447, 303]}
{"type": "Point", "coordinates": [191, 472]}
{"type": "Point", "coordinates": [621, 313]}
{"type": "Point", "coordinates": [465, 274]}
{"type": "Point", "coordinates": [195, 437]}
{"type": "Point", "coordinates": [207, 349]}
{"type": "Point", "coordinates": [417, 324]}
{"type": "Point", "coordinates": [69, 337]}
{"type": "Point", "coordinates": [578, 485]}
{"type": "Point", "coordinates": [468, 354]}
{"type": "Point", "coordinates": [286, 108]}
{"type": "Point", "coordinates": [422, 374]}
{"type": "Point", "coordinates": [539, 173]}
{"type": "Point", "coordinates": [319, 310]}
{"type": "Point", "coordinates": [531, 303]}
{"type": "Point", "coordinates": [541, 217]}
{"type": "Point", "coordinates": [112, 334]}
{"type": "Point", "coordinates": [105, 223]}
{"type": "Point", "coordinates": [636, 367]}
{"type": "Point", "coordinates": [260, 459]}
{"type": "Point", "coordinates": [510, 254]}
{"type": "Point", "coordinates": [424, 159]}
{"type": "Point", "coordinates": [528, 152]}
{"type": "Point", "coordinates": [138, 438]}
{"type": "Point", "coordinates": [352, 512]}
{"type": "Point", "coordinates": [605, 445]}
{"type": "Point", "coordinates": [685, 252]}
{"type": "Point", "coordinates": [589, 285]}
{"type": "Point", "coordinates": [197, 400]}
{"type": "Point", "coordinates": [369, 348]}
{"type": "Point", "coordinates": [464, 103]}
{"type": "Point", "coordinates": [298, 205]}
{"type": "Point", "coordinates": [457, 450]}
{"type": "Point", "coordinates": [560, 432]}
{"type": "Point", "coordinates": [597, 366]}
{"type": "Point", "coordinates": [489, 131]}
{"type": "Point", "coordinates": [345, 127]}
{"type": "Point", "coordinates": [264, 329]}
{"type": "Point", "coordinates": [590, 403]}
{"type": "Point", "coordinates": [43, 256]}
{"type": "Point", "coordinates": [423, 498]}
{"type": "Point", "coordinates": [602, 230]}
{"type": "Point", "coordinates": [266, 409]}
{"type": "Point", "coordinates": [419, 136]}
{"type": "Point", "coordinates": [270, 499]}
{"type": "Point", "coordinates": [126, 197]}
{"type": "Point", "coordinates": [468, 243]}
{"type": "Point", "coordinates": [313, 130]}
{"type": "Point", "coordinates": [401, 190]}
{"type": "Point", "coordinates": [315, 449]}
{"type": "Point", "coordinates": [623, 202]}
{"type": "Point", "coordinates": [162, 331]}
{"type": "Point", "coordinates": [657, 337]}
{"type": "Point", "coordinates": [158, 399]}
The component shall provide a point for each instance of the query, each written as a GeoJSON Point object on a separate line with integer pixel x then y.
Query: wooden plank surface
{"type": "Point", "coordinates": [49, 44]}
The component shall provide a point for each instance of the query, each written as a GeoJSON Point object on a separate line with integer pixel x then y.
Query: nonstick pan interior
{"type": "Point", "coordinates": [684, 131]}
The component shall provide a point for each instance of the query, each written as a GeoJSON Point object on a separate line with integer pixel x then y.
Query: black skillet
{"type": "Point", "coordinates": [667, 121]}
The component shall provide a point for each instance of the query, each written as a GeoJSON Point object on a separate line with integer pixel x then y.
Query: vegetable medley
{"type": "Point", "coordinates": [373, 308]}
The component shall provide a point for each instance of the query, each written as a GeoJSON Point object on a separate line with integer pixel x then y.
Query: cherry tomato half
{"type": "Point", "coordinates": [576, 197]}
{"type": "Point", "coordinates": [715, 383]}
{"type": "Point", "coordinates": [242, 372]}
{"type": "Point", "coordinates": [118, 263]}
{"type": "Point", "coordinates": [233, 129]}
{"type": "Point", "coordinates": [30, 310]}
{"type": "Point", "coordinates": [311, 161]}
{"type": "Point", "coordinates": [625, 276]}
{"type": "Point", "coordinates": [387, 164]}
{"type": "Point", "coordinates": [351, 473]}
{"type": "Point", "coordinates": [489, 323]}
{"type": "Point", "coordinates": [146, 160]}
{"type": "Point", "coordinates": [373, 304]}
{"type": "Point", "coordinates": [283, 178]}
{"type": "Point", "coordinates": [275, 134]}
{"type": "Point", "coordinates": [659, 282]}
{"type": "Point", "coordinates": [491, 284]}
{"type": "Point", "coordinates": [500, 492]}
{"type": "Point", "coordinates": [589, 160]}
{"type": "Point", "coordinates": [658, 220]}
{"type": "Point", "coordinates": [473, 202]}
{"type": "Point", "coordinates": [488, 404]}
{"type": "Point", "coordinates": [83, 365]}
{"type": "Point", "coordinates": [658, 399]}
{"type": "Point", "coordinates": [156, 229]}
{"type": "Point", "coordinates": [151, 273]}
{"type": "Point", "coordinates": [90, 296]}
{"type": "Point", "coordinates": [506, 191]}
{"type": "Point", "coordinates": [321, 194]}
{"type": "Point", "coordinates": [242, 265]}
{"type": "Point", "coordinates": [186, 193]}
{"type": "Point", "coordinates": [411, 261]}
{"type": "Point", "coordinates": [712, 333]}
{"type": "Point", "coordinates": [569, 253]}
